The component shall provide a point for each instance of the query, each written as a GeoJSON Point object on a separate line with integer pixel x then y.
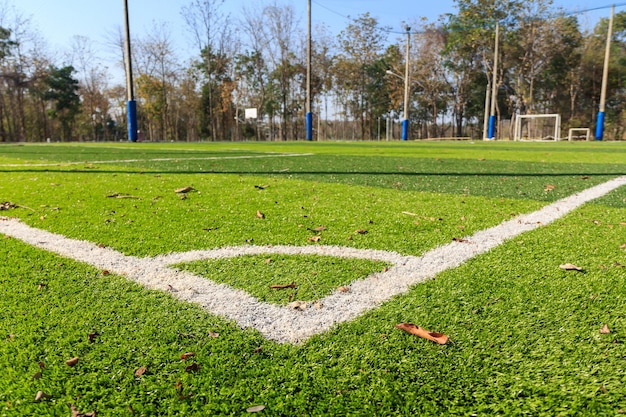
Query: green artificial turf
{"type": "Point", "coordinates": [304, 278]}
{"type": "Point", "coordinates": [524, 334]}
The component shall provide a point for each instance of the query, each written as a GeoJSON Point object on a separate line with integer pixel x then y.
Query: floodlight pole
{"type": "Point", "coordinates": [405, 121]}
{"type": "Point", "coordinates": [309, 114]}
{"type": "Point", "coordinates": [605, 77]}
{"type": "Point", "coordinates": [132, 104]}
{"type": "Point", "coordinates": [494, 90]}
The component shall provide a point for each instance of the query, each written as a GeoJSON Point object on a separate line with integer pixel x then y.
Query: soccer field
{"type": "Point", "coordinates": [236, 278]}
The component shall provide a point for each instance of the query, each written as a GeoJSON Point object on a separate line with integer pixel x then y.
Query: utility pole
{"type": "Point", "coordinates": [131, 105]}
{"type": "Point", "coordinates": [605, 77]}
{"type": "Point", "coordinates": [309, 114]}
{"type": "Point", "coordinates": [405, 122]}
{"type": "Point", "coordinates": [494, 89]}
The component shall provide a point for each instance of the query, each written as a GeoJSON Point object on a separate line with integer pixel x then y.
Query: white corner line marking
{"type": "Point", "coordinates": [283, 324]}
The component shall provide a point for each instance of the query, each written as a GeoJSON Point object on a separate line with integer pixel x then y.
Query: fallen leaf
{"type": "Point", "coordinates": [361, 232]}
{"type": "Point", "coordinates": [118, 195]}
{"type": "Point", "coordinates": [343, 289]}
{"type": "Point", "coordinates": [192, 368]}
{"type": "Point", "coordinates": [213, 334]}
{"type": "Point", "coordinates": [549, 187]}
{"type": "Point", "coordinates": [261, 187]}
{"type": "Point", "coordinates": [258, 350]}
{"type": "Point", "coordinates": [7, 205]}
{"type": "Point", "coordinates": [298, 305]}
{"type": "Point", "coordinates": [283, 286]}
{"type": "Point", "coordinates": [623, 246]}
{"type": "Point", "coordinates": [41, 365]}
{"type": "Point", "coordinates": [584, 177]}
{"type": "Point", "coordinates": [314, 238]}
{"type": "Point", "coordinates": [92, 336]}
{"type": "Point", "coordinates": [570, 267]}
{"type": "Point", "coordinates": [255, 409]}
{"type": "Point", "coordinates": [187, 355]}
{"type": "Point", "coordinates": [408, 213]}
{"type": "Point", "coordinates": [139, 372]}
{"type": "Point", "coordinates": [411, 328]}
{"type": "Point", "coordinates": [72, 362]}
{"type": "Point", "coordinates": [41, 286]}
{"type": "Point", "coordinates": [76, 413]}
{"type": "Point", "coordinates": [319, 229]}
{"type": "Point", "coordinates": [40, 396]}
{"type": "Point", "coordinates": [597, 222]}
{"type": "Point", "coordinates": [605, 329]}
{"type": "Point", "coordinates": [184, 190]}
{"type": "Point", "coordinates": [105, 272]}
{"type": "Point", "coordinates": [460, 240]}
{"type": "Point", "coordinates": [260, 215]}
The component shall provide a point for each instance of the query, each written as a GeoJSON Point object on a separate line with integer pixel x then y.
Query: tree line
{"type": "Point", "coordinates": [548, 63]}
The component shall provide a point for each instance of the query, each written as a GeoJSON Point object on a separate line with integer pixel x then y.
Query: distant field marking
{"type": "Point", "coordinates": [283, 324]}
{"type": "Point", "coordinates": [123, 161]}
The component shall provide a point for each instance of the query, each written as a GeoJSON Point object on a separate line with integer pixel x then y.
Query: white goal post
{"type": "Point", "coordinates": [537, 127]}
{"type": "Point", "coordinates": [576, 133]}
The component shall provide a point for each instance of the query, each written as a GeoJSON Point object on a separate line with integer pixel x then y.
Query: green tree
{"type": "Point", "coordinates": [62, 91]}
{"type": "Point", "coordinates": [358, 72]}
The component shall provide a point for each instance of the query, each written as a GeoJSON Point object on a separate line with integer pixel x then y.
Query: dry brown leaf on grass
{"type": "Point", "coordinates": [41, 396]}
{"type": "Point", "coordinates": [139, 372]}
{"type": "Point", "coordinates": [361, 231]}
{"type": "Point", "coordinates": [194, 367]}
{"type": "Point", "coordinates": [411, 328]}
{"type": "Point", "coordinates": [187, 355]}
{"type": "Point", "coordinates": [570, 267]}
{"type": "Point", "coordinates": [72, 362]}
{"type": "Point", "coordinates": [91, 337]}
{"type": "Point", "coordinates": [184, 190]}
{"type": "Point", "coordinates": [213, 334]}
{"type": "Point", "coordinates": [314, 238]}
{"type": "Point", "coordinates": [605, 329]}
{"type": "Point", "coordinates": [255, 409]}
{"type": "Point", "coordinates": [260, 215]}
{"type": "Point", "coordinates": [283, 286]}
{"type": "Point", "coordinates": [319, 229]}
{"type": "Point", "coordinates": [343, 289]}
{"type": "Point", "coordinates": [76, 413]}
{"type": "Point", "coordinates": [549, 187]}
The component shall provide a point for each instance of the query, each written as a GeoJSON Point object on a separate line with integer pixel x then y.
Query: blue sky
{"type": "Point", "coordinates": [58, 21]}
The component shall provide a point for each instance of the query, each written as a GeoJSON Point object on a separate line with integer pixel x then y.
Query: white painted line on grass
{"type": "Point", "coordinates": [124, 161]}
{"type": "Point", "coordinates": [283, 324]}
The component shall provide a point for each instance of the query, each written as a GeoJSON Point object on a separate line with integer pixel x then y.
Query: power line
{"type": "Point", "coordinates": [565, 13]}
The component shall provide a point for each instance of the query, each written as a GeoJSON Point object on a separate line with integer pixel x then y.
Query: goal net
{"type": "Point", "coordinates": [537, 127]}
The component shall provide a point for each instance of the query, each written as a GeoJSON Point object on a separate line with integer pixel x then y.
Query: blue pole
{"type": "Point", "coordinates": [492, 127]}
{"type": "Point", "coordinates": [600, 126]}
{"type": "Point", "coordinates": [132, 120]}
{"type": "Point", "coordinates": [405, 129]}
{"type": "Point", "coordinates": [309, 126]}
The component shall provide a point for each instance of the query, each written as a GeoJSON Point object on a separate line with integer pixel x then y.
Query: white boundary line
{"type": "Point", "coordinates": [123, 161]}
{"type": "Point", "coordinates": [283, 324]}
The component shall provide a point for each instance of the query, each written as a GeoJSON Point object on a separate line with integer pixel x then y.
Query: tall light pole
{"type": "Point", "coordinates": [605, 77]}
{"type": "Point", "coordinates": [405, 122]}
{"type": "Point", "coordinates": [494, 90]}
{"type": "Point", "coordinates": [309, 114]}
{"type": "Point", "coordinates": [131, 105]}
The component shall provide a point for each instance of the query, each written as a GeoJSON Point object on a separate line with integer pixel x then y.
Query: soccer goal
{"type": "Point", "coordinates": [579, 133]}
{"type": "Point", "coordinates": [537, 127]}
